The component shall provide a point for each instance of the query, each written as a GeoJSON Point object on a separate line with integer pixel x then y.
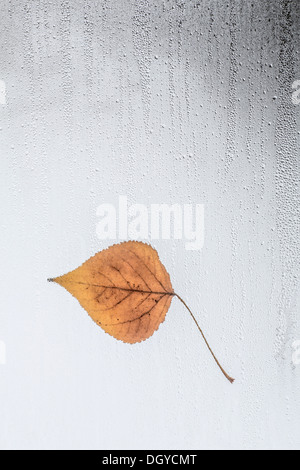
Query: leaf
{"type": "Point", "coordinates": [126, 290]}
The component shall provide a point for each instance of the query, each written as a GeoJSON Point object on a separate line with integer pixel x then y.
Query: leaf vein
{"type": "Point", "coordinates": [141, 277]}
{"type": "Point", "coordinates": [138, 318]}
{"type": "Point", "coordinates": [142, 261]}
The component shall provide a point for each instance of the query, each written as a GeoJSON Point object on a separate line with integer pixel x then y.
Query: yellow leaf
{"type": "Point", "coordinates": [126, 290]}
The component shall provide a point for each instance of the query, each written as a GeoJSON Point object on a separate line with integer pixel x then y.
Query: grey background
{"type": "Point", "coordinates": [165, 102]}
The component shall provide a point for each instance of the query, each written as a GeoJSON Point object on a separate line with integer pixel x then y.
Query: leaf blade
{"type": "Point", "coordinates": [125, 289]}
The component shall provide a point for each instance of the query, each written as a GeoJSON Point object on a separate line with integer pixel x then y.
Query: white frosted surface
{"type": "Point", "coordinates": [164, 102]}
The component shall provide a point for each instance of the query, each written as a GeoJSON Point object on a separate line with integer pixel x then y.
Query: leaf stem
{"type": "Point", "coordinates": [231, 380]}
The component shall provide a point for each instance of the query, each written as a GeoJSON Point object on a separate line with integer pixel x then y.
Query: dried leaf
{"type": "Point", "coordinates": [127, 291]}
